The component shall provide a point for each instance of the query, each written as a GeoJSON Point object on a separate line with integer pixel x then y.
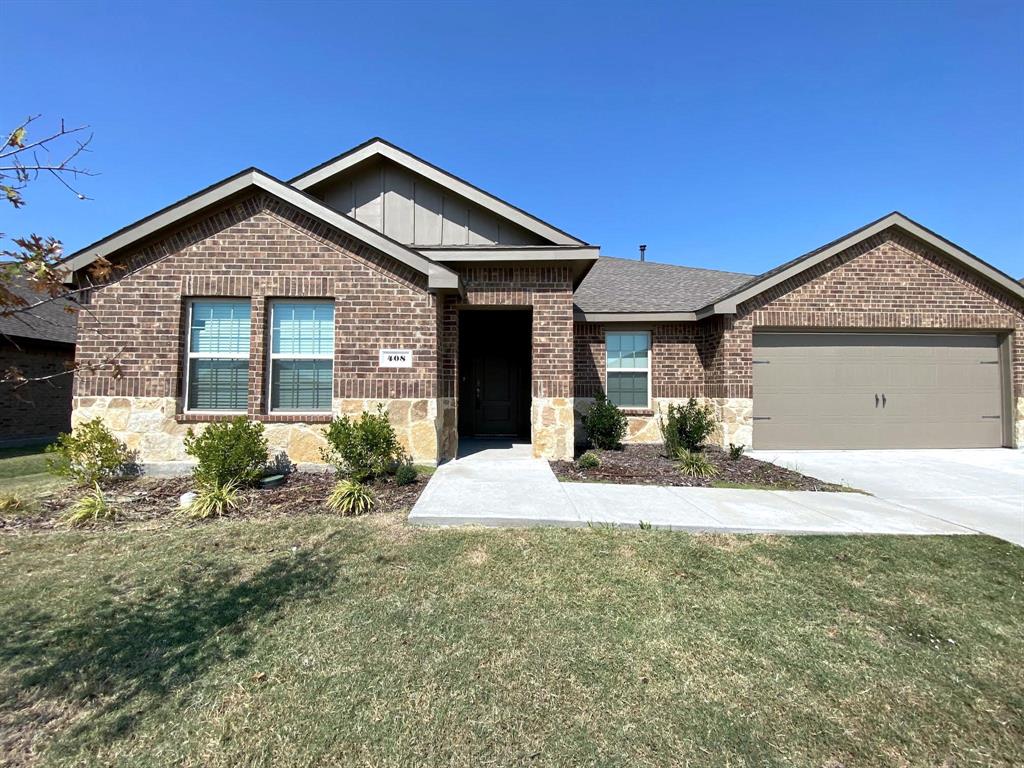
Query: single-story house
{"type": "Point", "coordinates": [37, 341]}
{"type": "Point", "coordinates": [377, 277]}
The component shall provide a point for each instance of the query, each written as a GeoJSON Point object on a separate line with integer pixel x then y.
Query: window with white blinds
{"type": "Point", "coordinates": [301, 355]}
{"type": "Point", "coordinates": [217, 373]}
{"type": "Point", "coordinates": [628, 367]}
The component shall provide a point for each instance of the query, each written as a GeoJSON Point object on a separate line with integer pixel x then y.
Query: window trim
{"type": "Point", "coordinates": [190, 355]}
{"type": "Point", "coordinates": [649, 370]}
{"type": "Point", "coordinates": [271, 356]}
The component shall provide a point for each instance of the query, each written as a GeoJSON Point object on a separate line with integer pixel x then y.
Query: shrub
{"type": "Point", "coordinates": [90, 454]}
{"type": "Point", "coordinates": [213, 500]}
{"type": "Point", "coordinates": [405, 474]}
{"type": "Point", "coordinates": [605, 424]}
{"type": "Point", "coordinates": [588, 460]}
{"type": "Point", "coordinates": [350, 498]}
{"type": "Point", "coordinates": [736, 451]}
{"type": "Point", "coordinates": [695, 464]}
{"type": "Point", "coordinates": [229, 452]}
{"type": "Point", "coordinates": [363, 448]}
{"type": "Point", "coordinates": [687, 427]}
{"type": "Point", "coordinates": [91, 507]}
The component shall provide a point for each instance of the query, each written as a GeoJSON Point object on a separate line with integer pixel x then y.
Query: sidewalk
{"type": "Point", "coordinates": [507, 487]}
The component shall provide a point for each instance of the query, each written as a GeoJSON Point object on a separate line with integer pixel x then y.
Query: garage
{"type": "Point", "coordinates": [832, 390]}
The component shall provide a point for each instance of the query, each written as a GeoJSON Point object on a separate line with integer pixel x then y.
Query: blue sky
{"type": "Point", "coordinates": [723, 135]}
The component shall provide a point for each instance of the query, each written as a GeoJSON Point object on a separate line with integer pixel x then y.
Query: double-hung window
{"type": "Point", "coordinates": [217, 370]}
{"type": "Point", "coordinates": [301, 355]}
{"type": "Point", "coordinates": [629, 368]}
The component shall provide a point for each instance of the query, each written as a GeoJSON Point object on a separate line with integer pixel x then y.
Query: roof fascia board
{"type": "Point", "coordinates": [635, 317]}
{"type": "Point", "coordinates": [730, 303]}
{"type": "Point", "coordinates": [571, 253]}
{"type": "Point", "coordinates": [378, 147]}
{"type": "Point", "coordinates": [438, 276]}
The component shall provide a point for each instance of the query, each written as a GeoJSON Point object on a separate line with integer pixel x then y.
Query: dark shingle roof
{"type": "Point", "coordinates": [47, 322]}
{"type": "Point", "coordinates": [627, 285]}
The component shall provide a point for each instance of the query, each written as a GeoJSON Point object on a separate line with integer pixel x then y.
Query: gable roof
{"type": "Point", "coordinates": [438, 276]}
{"type": "Point", "coordinates": [727, 303]}
{"type": "Point", "coordinates": [46, 322]}
{"type": "Point", "coordinates": [377, 147]}
{"type": "Point", "coordinates": [619, 287]}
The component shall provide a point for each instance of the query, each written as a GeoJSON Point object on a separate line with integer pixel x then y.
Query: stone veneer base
{"type": "Point", "coordinates": [149, 425]}
{"type": "Point", "coordinates": [735, 417]}
{"type": "Point", "coordinates": [552, 428]}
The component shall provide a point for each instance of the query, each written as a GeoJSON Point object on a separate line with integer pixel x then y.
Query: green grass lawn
{"type": "Point", "coordinates": [23, 471]}
{"type": "Point", "coordinates": [322, 641]}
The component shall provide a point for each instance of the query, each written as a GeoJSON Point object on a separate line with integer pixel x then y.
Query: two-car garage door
{"type": "Point", "coordinates": [877, 390]}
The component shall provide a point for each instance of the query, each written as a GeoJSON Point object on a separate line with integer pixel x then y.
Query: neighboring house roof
{"type": "Point", "coordinates": [50, 321]}
{"type": "Point", "coordinates": [438, 276]}
{"type": "Point", "coordinates": [615, 287]}
{"type": "Point", "coordinates": [728, 302]}
{"type": "Point", "coordinates": [378, 147]}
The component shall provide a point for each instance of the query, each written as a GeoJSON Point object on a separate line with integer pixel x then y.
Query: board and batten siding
{"type": "Point", "coordinates": [416, 211]}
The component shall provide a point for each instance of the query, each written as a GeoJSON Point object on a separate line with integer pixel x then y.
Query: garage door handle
{"type": "Point", "coordinates": [883, 399]}
{"type": "Point", "coordinates": [876, 399]}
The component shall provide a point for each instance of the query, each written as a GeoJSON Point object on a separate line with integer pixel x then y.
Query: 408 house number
{"type": "Point", "coordinates": [395, 358]}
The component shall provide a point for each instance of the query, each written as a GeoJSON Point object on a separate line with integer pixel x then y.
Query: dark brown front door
{"type": "Point", "coordinates": [494, 393]}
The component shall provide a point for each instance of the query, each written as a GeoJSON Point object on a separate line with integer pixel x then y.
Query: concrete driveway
{"type": "Point", "coordinates": [979, 489]}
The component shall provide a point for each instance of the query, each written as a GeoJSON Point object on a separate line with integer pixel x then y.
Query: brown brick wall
{"type": "Point", "coordinates": [39, 408]}
{"type": "Point", "coordinates": [677, 364]}
{"type": "Point", "coordinates": [890, 281]}
{"type": "Point", "coordinates": [548, 291]}
{"type": "Point", "coordinates": [261, 248]}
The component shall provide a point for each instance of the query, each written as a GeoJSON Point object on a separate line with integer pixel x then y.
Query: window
{"type": "Point", "coordinates": [301, 355]}
{"type": "Point", "coordinates": [217, 373]}
{"type": "Point", "coordinates": [629, 368]}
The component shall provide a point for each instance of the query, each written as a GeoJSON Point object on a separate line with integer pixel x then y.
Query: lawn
{"type": "Point", "coordinates": [315, 640]}
{"type": "Point", "coordinates": [23, 470]}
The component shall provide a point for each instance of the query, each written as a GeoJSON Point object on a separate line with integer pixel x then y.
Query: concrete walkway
{"type": "Point", "coordinates": [505, 486]}
{"type": "Point", "coordinates": [981, 489]}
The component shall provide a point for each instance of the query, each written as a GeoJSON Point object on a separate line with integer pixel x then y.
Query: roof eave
{"type": "Point", "coordinates": [729, 304]}
{"type": "Point", "coordinates": [438, 276]}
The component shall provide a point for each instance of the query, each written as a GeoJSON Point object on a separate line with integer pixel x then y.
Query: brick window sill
{"type": "Point", "coordinates": [638, 411]}
{"type": "Point", "coordinates": [266, 418]}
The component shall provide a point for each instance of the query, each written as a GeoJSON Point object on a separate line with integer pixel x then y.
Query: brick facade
{"type": "Point", "coordinates": [887, 282]}
{"type": "Point", "coordinates": [38, 409]}
{"type": "Point", "coordinates": [547, 291]}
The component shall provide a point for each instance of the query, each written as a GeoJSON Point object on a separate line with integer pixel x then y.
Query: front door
{"type": "Point", "coordinates": [496, 397]}
{"type": "Point", "coordinates": [494, 373]}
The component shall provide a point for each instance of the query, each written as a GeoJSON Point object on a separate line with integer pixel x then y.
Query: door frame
{"type": "Point", "coordinates": [466, 413]}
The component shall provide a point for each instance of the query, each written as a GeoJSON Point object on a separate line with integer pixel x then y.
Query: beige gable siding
{"type": "Point", "coordinates": [416, 211]}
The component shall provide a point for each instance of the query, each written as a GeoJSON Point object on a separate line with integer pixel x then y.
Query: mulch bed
{"type": "Point", "coordinates": [150, 498]}
{"type": "Point", "coordinates": [648, 465]}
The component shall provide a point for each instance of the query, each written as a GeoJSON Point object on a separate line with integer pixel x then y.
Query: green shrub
{"type": "Point", "coordinates": [90, 454]}
{"type": "Point", "coordinates": [588, 460]}
{"type": "Point", "coordinates": [604, 424]}
{"type": "Point", "coordinates": [351, 498]}
{"type": "Point", "coordinates": [90, 508]}
{"type": "Point", "coordinates": [363, 448]}
{"type": "Point", "coordinates": [736, 451]}
{"type": "Point", "coordinates": [695, 464]}
{"type": "Point", "coordinates": [687, 426]}
{"type": "Point", "coordinates": [406, 473]}
{"type": "Point", "coordinates": [213, 500]}
{"type": "Point", "coordinates": [228, 452]}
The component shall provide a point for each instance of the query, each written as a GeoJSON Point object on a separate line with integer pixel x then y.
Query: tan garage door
{"type": "Point", "coordinates": [864, 390]}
